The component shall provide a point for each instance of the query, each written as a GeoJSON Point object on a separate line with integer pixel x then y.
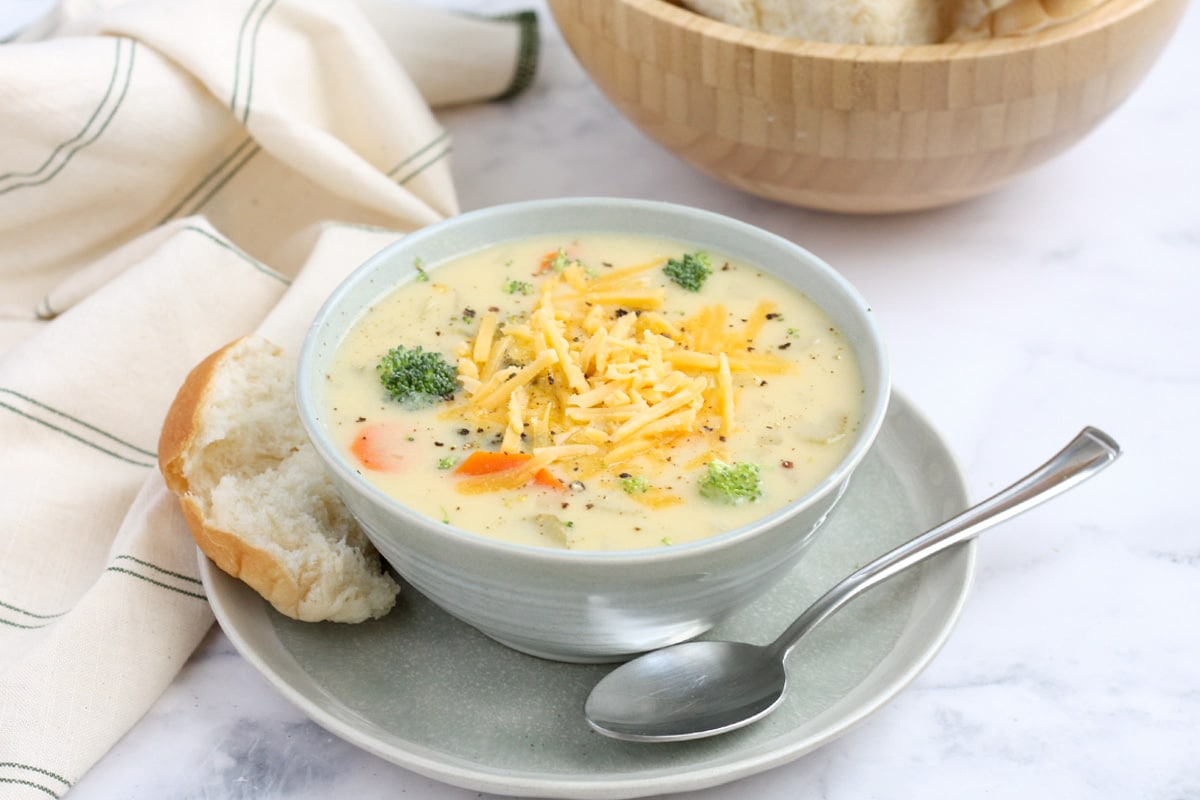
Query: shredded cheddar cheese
{"type": "Point", "coordinates": [594, 372]}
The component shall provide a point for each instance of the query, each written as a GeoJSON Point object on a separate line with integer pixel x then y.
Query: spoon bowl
{"type": "Point", "coordinates": [704, 688]}
{"type": "Point", "coordinates": [689, 690]}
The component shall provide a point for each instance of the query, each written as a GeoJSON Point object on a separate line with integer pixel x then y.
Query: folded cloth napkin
{"type": "Point", "coordinates": [175, 174]}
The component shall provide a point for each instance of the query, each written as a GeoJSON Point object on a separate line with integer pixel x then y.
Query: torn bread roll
{"type": "Point", "coordinates": [873, 22]}
{"type": "Point", "coordinates": [892, 22]}
{"type": "Point", "coordinates": [255, 495]}
{"type": "Point", "coordinates": [989, 19]}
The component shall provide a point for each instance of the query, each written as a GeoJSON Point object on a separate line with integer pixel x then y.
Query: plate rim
{"type": "Point", "coordinates": [449, 768]}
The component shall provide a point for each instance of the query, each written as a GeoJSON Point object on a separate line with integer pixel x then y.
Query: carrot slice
{"type": "Point", "coordinates": [551, 259]}
{"type": "Point", "coordinates": [483, 462]}
{"type": "Point", "coordinates": [548, 261]}
{"type": "Point", "coordinates": [381, 448]}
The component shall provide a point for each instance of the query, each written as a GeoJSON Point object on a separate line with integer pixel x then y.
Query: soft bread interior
{"type": "Point", "coordinates": [892, 22]}
{"type": "Point", "coordinates": [872, 22]}
{"type": "Point", "coordinates": [255, 495]}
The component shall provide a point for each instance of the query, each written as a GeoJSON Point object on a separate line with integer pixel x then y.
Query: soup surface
{"type": "Point", "coordinates": [598, 403]}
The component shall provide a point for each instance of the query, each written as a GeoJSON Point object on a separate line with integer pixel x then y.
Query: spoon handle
{"type": "Point", "coordinates": [1087, 454]}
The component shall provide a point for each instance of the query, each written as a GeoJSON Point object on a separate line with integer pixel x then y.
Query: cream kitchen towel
{"type": "Point", "coordinates": [175, 174]}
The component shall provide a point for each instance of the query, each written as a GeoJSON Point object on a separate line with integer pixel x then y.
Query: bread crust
{"type": "Point", "coordinates": [183, 419]}
{"type": "Point", "coordinates": [178, 447]}
{"type": "Point", "coordinates": [227, 550]}
{"type": "Point", "coordinates": [1015, 17]}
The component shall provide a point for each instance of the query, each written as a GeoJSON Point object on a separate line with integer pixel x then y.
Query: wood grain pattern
{"type": "Point", "coordinates": [862, 129]}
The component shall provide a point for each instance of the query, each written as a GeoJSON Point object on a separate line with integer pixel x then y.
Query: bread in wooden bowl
{"type": "Point", "coordinates": [891, 22]}
{"type": "Point", "coordinates": [985, 19]}
{"type": "Point", "coordinates": [866, 128]}
{"type": "Point", "coordinates": [881, 22]}
{"type": "Point", "coordinates": [255, 495]}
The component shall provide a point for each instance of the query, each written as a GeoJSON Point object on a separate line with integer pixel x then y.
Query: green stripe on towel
{"type": "Point", "coordinates": [19, 610]}
{"type": "Point", "coordinates": [156, 568]}
{"type": "Point", "coordinates": [33, 777]}
{"type": "Point", "coordinates": [105, 112]}
{"type": "Point", "coordinates": [220, 174]}
{"type": "Point", "coordinates": [77, 429]}
{"type": "Point", "coordinates": [528, 53]}
{"type": "Point", "coordinates": [231, 247]}
{"type": "Point", "coordinates": [243, 82]}
{"type": "Point", "coordinates": [156, 582]}
{"type": "Point", "coordinates": [25, 627]}
{"type": "Point", "coordinates": [441, 137]}
{"type": "Point", "coordinates": [429, 162]}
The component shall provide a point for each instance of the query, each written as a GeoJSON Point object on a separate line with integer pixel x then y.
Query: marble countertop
{"type": "Point", "coordinates": [1064, 299]}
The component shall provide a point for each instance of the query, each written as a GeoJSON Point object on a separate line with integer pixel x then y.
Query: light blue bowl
{"type": "Point", "coordinates": [589, 606]}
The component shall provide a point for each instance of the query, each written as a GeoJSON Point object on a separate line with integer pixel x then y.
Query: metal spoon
{"type": "Point", "coordinates": [698, 689]}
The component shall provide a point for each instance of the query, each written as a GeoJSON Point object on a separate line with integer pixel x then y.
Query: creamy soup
{"type": "Point", "coordinates": [595, 401]}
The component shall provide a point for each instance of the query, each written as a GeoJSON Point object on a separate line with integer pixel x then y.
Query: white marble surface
{"type": "Point", "coordinates": [1067, 298]}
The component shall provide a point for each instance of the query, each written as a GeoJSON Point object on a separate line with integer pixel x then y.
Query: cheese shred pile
{"type": "Point", "coordinates": [596, 374]}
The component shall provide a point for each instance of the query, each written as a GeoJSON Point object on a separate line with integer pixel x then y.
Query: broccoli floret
{"type": "Point", "coordinates": [419, 266]}
{"type": "Point", "coordinates": [634, 484]}
{"type": "Point", "coordinates": [690, 272]}
{"type": "Point", "coordinates": [561, 261]}
{"type": "Point", "coordinates": [736, 483]}
{"type": "Point", "coordinates": [514, 286]}
{"type": "Point", "coordinates": [415, 376]}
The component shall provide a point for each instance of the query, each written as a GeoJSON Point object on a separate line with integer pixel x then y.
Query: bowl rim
{"type": "Point", "coordinates": [1108, 12]}
{"type": "Point", "coordinates": [835, 481]}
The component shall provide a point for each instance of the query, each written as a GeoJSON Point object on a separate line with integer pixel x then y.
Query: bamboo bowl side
{"type": "Point", "coordinates": [862, 129]}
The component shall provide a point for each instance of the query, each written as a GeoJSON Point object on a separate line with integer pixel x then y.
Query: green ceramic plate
{"type": "Point", "coordinates": [427, 692]}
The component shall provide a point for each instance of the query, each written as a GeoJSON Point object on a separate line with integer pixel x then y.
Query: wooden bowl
{"type": "Point", "coordinates": [856, 128]}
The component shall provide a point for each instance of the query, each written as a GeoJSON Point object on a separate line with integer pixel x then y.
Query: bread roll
{"type": "Point", "coordinates": [985, 19]}
{"type": "Point", "coordinates": [874, 22]}
{"type": "Point", "coordinates": [255, 495]}
{"type": "Point", "coordinates": [892, 22]}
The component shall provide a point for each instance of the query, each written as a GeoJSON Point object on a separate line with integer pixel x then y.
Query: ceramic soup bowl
{"type": "Point", "coordinates": [589, 605]}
